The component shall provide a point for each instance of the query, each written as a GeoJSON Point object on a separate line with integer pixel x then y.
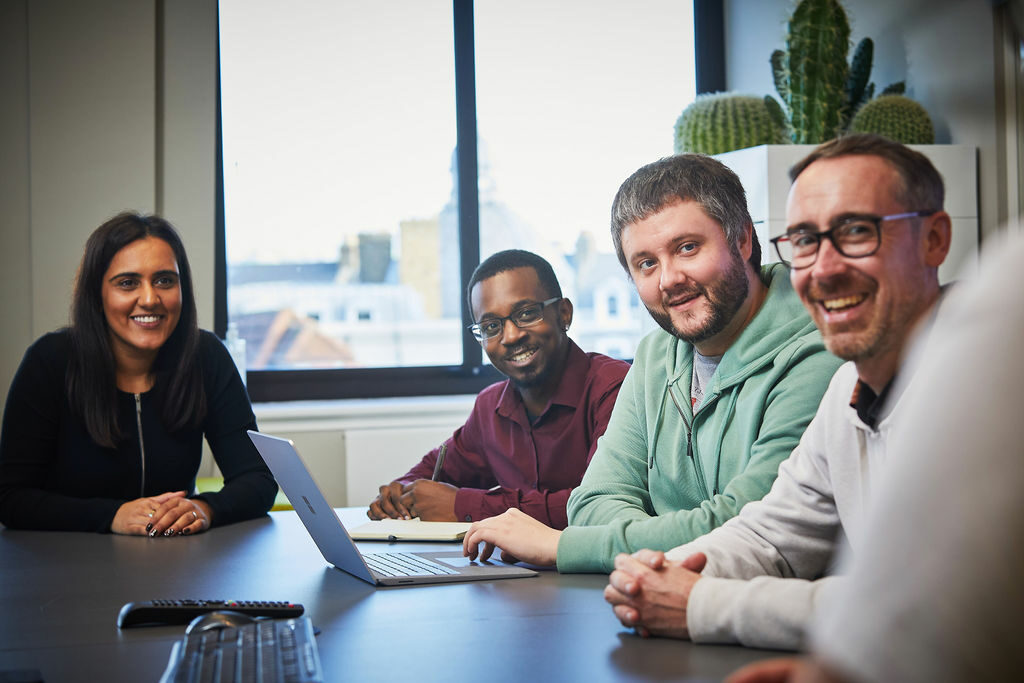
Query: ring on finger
{"type": "Point", "coordinates": [195, 517]}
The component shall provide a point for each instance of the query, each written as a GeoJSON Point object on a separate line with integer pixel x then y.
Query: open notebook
{"type": "Point", "coordinates": [409, 530]}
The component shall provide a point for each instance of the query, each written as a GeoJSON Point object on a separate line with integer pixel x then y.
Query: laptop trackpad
{"type": "Point", "coordinates": [459, 561]}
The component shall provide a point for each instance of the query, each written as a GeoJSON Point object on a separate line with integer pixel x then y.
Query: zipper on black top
{"type": "Point", "coordinates": [142, 445]}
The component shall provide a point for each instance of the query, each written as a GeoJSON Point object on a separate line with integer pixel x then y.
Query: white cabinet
{"type": "Point", "coordinates": [764, 172]}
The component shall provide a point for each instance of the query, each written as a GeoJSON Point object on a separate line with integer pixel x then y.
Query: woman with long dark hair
{"type": "Point", "coordinates": [105, 419]}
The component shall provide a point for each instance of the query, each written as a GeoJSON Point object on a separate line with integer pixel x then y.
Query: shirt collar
{"type": "Point", "coordinates": [871, 407]}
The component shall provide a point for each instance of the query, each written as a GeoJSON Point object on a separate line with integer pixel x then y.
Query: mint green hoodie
{"type": "Point", "coordinates": [662, 476]}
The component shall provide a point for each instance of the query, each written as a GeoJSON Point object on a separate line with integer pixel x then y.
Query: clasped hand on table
{"type": "Point", "coordinates": [650, 593]}
{"type": "Point", "coordinates": [647, 592]}
{"type": "Point", "coordinates": [167, 514]}
{"type": "Point", "coordinates": [431, 501]}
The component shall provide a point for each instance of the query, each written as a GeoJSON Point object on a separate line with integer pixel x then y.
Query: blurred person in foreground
{"type": "Point", "coordinates": [935, 594]}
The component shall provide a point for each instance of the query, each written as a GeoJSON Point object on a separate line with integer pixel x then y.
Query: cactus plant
{"type": "Point", "coordinates": [897, 117]}
{"type": "Point", "coordinates": [897, 88]}
{"type": "Point", "coordinates": [858, 90]}
{"type": "Point", "coordinates": [811, 75]}
{"type": "Point", "coordinates": [722, 122]}
{"type": "Point", "coordinates": [778, 117]}
{"type": "Point", "coordinates": [822, 93]}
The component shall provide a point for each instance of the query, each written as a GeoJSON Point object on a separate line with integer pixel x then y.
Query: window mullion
{"type": "Point", "coordinates": [466, 168]}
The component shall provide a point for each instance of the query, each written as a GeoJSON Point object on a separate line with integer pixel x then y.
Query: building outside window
{"type": "Point", "coordinates": [341, 195]}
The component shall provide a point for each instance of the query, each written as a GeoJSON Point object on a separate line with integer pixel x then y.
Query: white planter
{"type": "Point", "coordinates": [764, 172]}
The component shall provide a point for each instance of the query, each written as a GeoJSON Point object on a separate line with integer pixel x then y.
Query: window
{"type": "Point", "coordinates": [350, 133]}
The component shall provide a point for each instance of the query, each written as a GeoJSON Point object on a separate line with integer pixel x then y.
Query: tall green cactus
{"type": "Point", "coordinates": [822, 93]}
{"type": "Point", "coordinates": [723, 122]}
{"type": "Point", "coordinates": [815, 70]}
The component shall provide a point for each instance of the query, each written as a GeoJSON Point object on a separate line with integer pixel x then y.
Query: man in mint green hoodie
{"type": "Point", "coordinates": [715, 400]}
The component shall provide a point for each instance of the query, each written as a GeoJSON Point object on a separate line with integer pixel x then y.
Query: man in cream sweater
{"type": "Point", "coordinates": [866, 234]}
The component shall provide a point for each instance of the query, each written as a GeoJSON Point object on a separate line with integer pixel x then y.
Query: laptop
{"type": "Point", "coordinates": [337, 546]}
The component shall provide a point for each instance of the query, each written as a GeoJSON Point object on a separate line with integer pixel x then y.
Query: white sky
{"type": "Point", "coordinates": [339, 116]}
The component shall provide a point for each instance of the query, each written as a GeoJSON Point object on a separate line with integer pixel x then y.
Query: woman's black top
{"type": "Point", "coordinates": [54, 476]}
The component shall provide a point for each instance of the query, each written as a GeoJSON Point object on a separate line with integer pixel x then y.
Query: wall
{"type": "Point", "coordinates": [943, 49]}
{"type": "Point", "coordinates": [15, 228]}
{"type": "Point", "coordinates": [107, 105]}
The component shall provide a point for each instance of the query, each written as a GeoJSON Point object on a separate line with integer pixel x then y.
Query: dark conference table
{"type": "Point", "coordinates": [60, 594]}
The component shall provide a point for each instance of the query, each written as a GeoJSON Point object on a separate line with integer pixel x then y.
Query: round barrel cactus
{"type": "Point", "coordinates": [722, 122]}
{"type": "Point", "coordinates": [896, 117]}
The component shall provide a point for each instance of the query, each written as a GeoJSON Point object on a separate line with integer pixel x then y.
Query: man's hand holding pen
{"type": "Point", "coordinates": [429, 499]}
{"type": "Point", "coordinates": [439, 463]}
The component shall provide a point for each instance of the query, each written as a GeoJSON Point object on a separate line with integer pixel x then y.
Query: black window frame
{"type": "Point", "coordinates": [472, 374]}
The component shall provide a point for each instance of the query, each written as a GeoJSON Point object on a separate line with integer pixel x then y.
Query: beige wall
{"type": "Point", "coordinates": [108, 105]}
{"type": "Point", "coordinates": [945, 50]}
{"type": "Point", "coordinates": [15, 232]}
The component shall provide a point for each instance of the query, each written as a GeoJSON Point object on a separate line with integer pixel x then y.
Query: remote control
{"type": "Point", "coordinates": [165, 612]}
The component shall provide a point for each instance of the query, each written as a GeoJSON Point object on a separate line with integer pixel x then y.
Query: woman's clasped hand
{"type": "Point", "coordinates": [168, 514]}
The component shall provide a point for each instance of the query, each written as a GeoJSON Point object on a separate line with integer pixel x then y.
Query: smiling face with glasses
{"type": "Point", "coordinates": [522, 328]}
{"type": "Point", "coordinates": [523, 317]}
{"type": "Point", "coordinates": [864, 266]}
{"type": "Point", "coordinates": [853, 236]}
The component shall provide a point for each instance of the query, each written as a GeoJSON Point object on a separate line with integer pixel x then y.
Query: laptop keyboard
{"type": "Point", "coordinates": [265, 650]}
{"type": "Point", "coordinates": [405, 564]}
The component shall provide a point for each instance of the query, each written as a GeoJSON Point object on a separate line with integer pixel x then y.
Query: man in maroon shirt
{"type": "Point", "coordinates": [529, 439]}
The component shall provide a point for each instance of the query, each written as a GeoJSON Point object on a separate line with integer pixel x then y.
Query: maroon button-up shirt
{"type": "Point", "coordinates": [500, 461]}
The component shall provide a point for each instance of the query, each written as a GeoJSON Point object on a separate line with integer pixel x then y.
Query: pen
{"type": "Point", "coordinates": [440, 460]}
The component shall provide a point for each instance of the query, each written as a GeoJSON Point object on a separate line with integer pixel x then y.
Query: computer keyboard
{"type": "Point", "coordinates": [265, 651]}
{"type": "Point", "coordinates": [404, 564]}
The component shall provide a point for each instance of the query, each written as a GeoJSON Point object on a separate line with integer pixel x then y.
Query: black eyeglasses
{"type": "Point", "coordinates": [852, 236]}
{"type": "Point", "coordinates": [521, 317]}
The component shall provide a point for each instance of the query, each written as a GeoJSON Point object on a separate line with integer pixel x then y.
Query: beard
{"type": "Point", "coordinates": [724, 297]}
{"type": "Point", "coordinates": [535, 379]}
{"type": "Point", "coordinates": [548, 372]}
{"type": "Point", "coordinates": [538, 379]}
{"type": "Point", "coordinates": [858, 340]}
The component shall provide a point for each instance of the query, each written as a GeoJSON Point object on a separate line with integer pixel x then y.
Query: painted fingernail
{"type": "Point", "coordinates": [169, 532]}
{"type": "Point", "coordinates": [149, 527]}
{"type": "Point", "coordinates": [152, 534]}
{"type": "Point", "coordinates": [186, 531]}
